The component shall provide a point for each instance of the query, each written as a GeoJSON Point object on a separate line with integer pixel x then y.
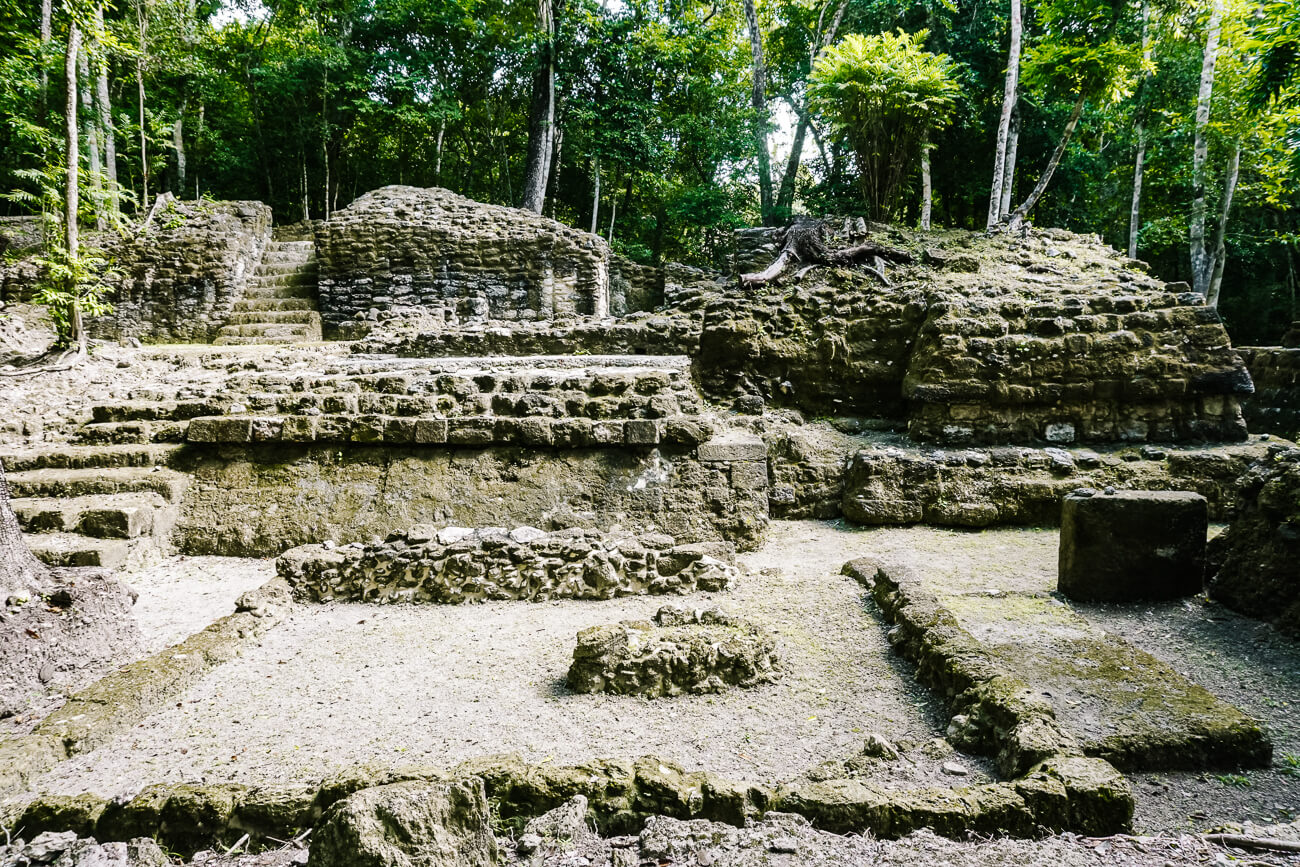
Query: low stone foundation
{"type": "Point", "coordinates": [458, 565]}
{"type": "Point", "coordinates": [682, 651]}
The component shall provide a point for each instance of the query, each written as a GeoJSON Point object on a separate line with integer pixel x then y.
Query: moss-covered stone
{"type": "Point", "coordinates": [1099, 798]}
{"type": "Point", "coordinates": [79, 813]}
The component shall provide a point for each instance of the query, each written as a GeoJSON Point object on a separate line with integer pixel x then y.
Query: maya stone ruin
{"type": "Point", "coordinates": [456, 538]}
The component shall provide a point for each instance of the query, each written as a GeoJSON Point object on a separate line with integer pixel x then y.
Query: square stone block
{"type": "Point", "coordinates": [1132, 545]}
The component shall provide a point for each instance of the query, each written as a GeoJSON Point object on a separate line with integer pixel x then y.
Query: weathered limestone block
{"type": "Point", "coordinates": [1256, 561]}
{"type": "Point", "coordinates": [1274, 408]}
{"type": "Point", "coordinates": [412, 824]}
{"type": "Point", "coordinates": [1132, 545]}
{"type": "Point", "coordinates": [406, 249]}
{"type": "Point", "coordinates": [458, 565]}
{"type": "Point", "coordinates": [682, 651]}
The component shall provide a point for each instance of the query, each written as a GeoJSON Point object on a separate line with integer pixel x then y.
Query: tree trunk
{"type": "Point", "coordinates": [106, 119]}
{"type": "Point", "coordinates": [142, 24]}
{"type": "Point", "coordinates": [557, 160]}
{"type": "Point", "coordinates": [1012, 83]}
{"type": "Point", "coordinates": [758, 99]}
{"type": "Point", "coordinates": [178, 145]}
{"type": "Point", "coordinates": [926, 192]}
{"type": "Point", "coordinates": [47, 33]}
{"type": "Point", "coordinates": [198, 137]}
{"type": "Point", "coordinates": [1202, 260]}
{"type": "Point", "coordinates": [325, 136]}
{"type": "Point", "coordinates": [437, 163]}
{"type": "Point", "coordinates": [541, 116]}
{"type": "Point", "coordinates": [595, 198]}
{"type": "Point", "coordinates": [1134, 218]}
{"type": "Point", "coordinates": [21, 573]}
{"type": "Point", "coordinates": [1139, 124]}
{"type": "Point", "coordinates": [70, 228]}
{"type": "Point", "coordinates": [1009, 166]}
{"type": "Point", "coordinates": [1016, 219]}
{"type": "Point", "coordinates": [785, 196]}
{"type": "Point", "coordinates": [89, 120]}
{"type": "Point", "coordinates": [1220, 233]}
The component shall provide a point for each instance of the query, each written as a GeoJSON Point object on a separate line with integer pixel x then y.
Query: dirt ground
{"type": "Point", "coordinates": [338, 685]}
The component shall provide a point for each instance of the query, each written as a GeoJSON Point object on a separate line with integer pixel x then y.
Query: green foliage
{"type": "Point", "coordinates": [887, 96]}
{"type": "Point", "coordinates": [79, 281]}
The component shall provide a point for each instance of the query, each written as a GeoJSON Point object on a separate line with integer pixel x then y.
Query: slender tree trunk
{"type": "Point", "coordinates": [88, 120]}
{"type": "Point", "coordinates": [198, 137]}
{"type": "Point", "coordinates": [613, 212]}
{"type": "Point", "coordinates": [1202, 260]}
{"type": "Point", "coordinates": [1017, 218]}
{"type": "Point", "coordinates": [178, 145]}
{"type": "Point", "coordinates": [1004, 123]}
{"type": "Point", "coordinates": [306, 203]}
{"type": "Point", "coordinates": [70, 228]}
{"type": "Point", "coordinates": [556, 162]}
{"type": "Point", "coordinates": [437, 164]}
{"type": "Point", "coordinates": [926, 192]}
{"type": "Point", "coordinates": [1220, 233]}
{"type": "Point", "coordinates": [47, 33]}
{"type": "Point", "coordinates": [785, 196]}
{"type": "Point", "coordinates": [1009, 165]}
{"type": "Point", "coordinates": [1139, 125]}
{"type": "Point", "coordinates": [142, 22]}
{"type": "Point", "coordinates": [106, 118]}
{"type": "Point", "coordinates": [595, 198]}
{"type": "Point", "coordinates": [541, 116]}
{"type": "Point", "coordinates": [758, 99]}
{"type": "Point", "coordinates": [325, 135]}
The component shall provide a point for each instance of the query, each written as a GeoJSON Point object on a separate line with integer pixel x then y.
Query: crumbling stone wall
{"type": "Point", "coordinates": [1275, 406]}
{"type": "Point", "coordinates": [457, 565]}
{"type": "Point", "coordinates": [1254, 560]}
{"type": "Point", "coordinates": [405, 248]}
{"type": "Point", "coordinates": [180, 279]}
{"type": "Point", "coordinates": [633, 287]}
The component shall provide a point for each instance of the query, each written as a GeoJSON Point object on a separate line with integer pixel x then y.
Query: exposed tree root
{"type": "Point", "coordinates": [802, 242]}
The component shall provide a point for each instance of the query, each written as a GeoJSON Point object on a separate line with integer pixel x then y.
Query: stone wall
{"type": "Point", "coordinates": [1025, 486]}
{"type": "Point", "coordinates": [1253, 562]}
{"type": "Point", "coordinates": [1274, 408]}
{"type": "Point", "coordinates": [405, 248]}
{"type": "Point", "coordinates": [633, 287]}
{"type": "Point", "coordinates": [457, 565]}
{"type": "Point", "coordinates": [1052, 337]}
{"type": "Point", "coordinates": [180, 279]}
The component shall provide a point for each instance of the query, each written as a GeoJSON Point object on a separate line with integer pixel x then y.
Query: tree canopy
{"type": "Point", "coordinates": [659, 119]}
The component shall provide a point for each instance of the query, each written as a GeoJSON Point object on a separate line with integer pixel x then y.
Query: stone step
{"type": "Point", "coordinates": [288, 254]}
{"type": "Point", "coordinates": [256, 341]}
{"type": "Point", "coordinates": [86, 457]}
{"type": "Point", "coordinates": [304, 317]}
{"type": "Point", "coordinates": [100, 516]}
{"type": "Point", "coordinates": [168, 484]}
{"type": "Point", "coordinates": [292, 245]}
{"type": "Point", "coordinates": [271, 281]}
{"type": "Point", "coordinates": [304, 291]}
{"type": "Point", "coordinates": [273, 270]}
{"type": "Point", "coordinates": [73, 549]}
{"type": "Point", "coordinates": [153, 410]}
{"type": "Point", "coordinates": [131, 432]}
{"type": "Point", "coordinates": [251, 305]}
{"type": "Point", "coordinates": [288, 330]}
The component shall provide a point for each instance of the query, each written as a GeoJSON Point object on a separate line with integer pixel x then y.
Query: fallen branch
{"type": "Point", "coordinates": [802, 242]}
{"type": "Point", "coordinates": [1241, 841]}
{"type": "Point", "coordinates": [238, 843]}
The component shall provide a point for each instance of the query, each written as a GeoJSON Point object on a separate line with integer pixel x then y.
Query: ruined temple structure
{"type": "Point", "coordinates": [449, 438]}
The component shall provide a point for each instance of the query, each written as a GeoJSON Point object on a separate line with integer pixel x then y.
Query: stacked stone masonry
{"type": "Point", "coordinates": [181, 279]}
{"type": "Point", "coordinates": [408, 248]}
{"type": "Point", "coordinates": [458, 565]}
{"type": "Point", "coordinates": [697, 652]}
{"type": "Point", "coordinates": [1274, 408]}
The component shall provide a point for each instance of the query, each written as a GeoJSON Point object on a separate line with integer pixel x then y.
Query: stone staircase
{"type": "Point", "coordinates": [279, 304]}
{"type": "Point", "coordinates": [111, 506]}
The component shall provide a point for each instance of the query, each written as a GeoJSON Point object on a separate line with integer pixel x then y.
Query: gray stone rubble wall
{"type": "Point", "coordinates": [457, 565]}
{"type": "Point", "coordinates": [405, 248]}
{"type": "Point", "coordinates": [1274, 408]}
{"type": "Point", "coordinates": [180, 280]}
{"type": "Point", "coordinates": [697, 652]}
